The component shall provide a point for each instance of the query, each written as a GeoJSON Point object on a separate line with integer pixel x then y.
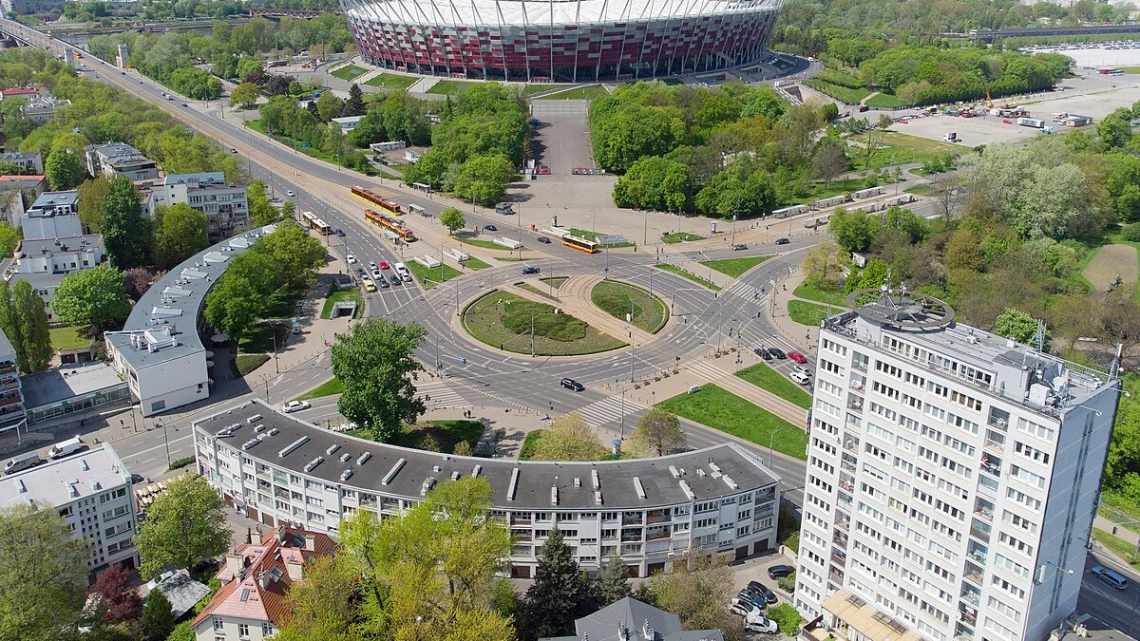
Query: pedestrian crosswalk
{"type": "Point", "coordinates": [608, 410]}
{"type": "Point", "coordinates": [439, 394]}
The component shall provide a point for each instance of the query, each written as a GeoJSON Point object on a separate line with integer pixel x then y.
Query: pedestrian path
{"type": "Point", "coordinates": [729, 381]}
{"type": "Point", "coordinates": [608, 410]}
{"type": "Point", "coordinates": [439, 394]}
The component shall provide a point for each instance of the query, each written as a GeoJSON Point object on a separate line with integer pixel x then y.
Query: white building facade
{"type": "Point", "coordinates": [952, 480]}
{"type": "Point", "coordinates": [226, 206]}
{"type": "Point", "coordinates": [282, 471]}
{"type": "Point", "coordinates": [92, 492]}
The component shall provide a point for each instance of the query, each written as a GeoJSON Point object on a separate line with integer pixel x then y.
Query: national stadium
{"type": "Point", "coordinates": [561, 40]}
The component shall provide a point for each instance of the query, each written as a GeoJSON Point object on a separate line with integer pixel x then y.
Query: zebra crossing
{"type": "Point", "coordinates": [608, 410]}
{"type": "Point", "coordinates": [439, 394]}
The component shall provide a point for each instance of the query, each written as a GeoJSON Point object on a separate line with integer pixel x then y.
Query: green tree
{"type": "Point", "coordinates": [13, 328]}
{"type": "Point", "coordinates": [375, 362]}
{"type": "Point", "coordinates": [125, 231]}
{"type": "Point", "coordinates": [294, 253]}
{"type": "Point", "coordinates": [244, 95]}
{"type": "Point", "coordinates": [9, 238]}
{"type": "Point", "coordinates": [568, 438]}
{"type": "Point", "coordinates": [157, 617]}
{"type": "Point", "coordinates": [1016, 324]}
{"type": "Point", "coordinates": [34, 336]}
{"type": "Point", "coordinates": [241, 295]}
{"type": "Point", "coordinates": [658, 432]}
{"type": "Point", "coordinates": [95, 297]}
{"type": "Point", "coordinates": [430, 574]}
{"type": "Point", "coordinates": [180, 233]}
{"type": "Point", "coordinates": [786, 618]}
{"type": "Point", "coordinates": [654, 182]}
{"type": "Point", "coordinates": [452, 219]}
{"type": "Point", "coordinates": [260, 211]}
{"type": "Point", "coordinates": [611, 584]}
{"type": "Point", "coordinates": [853, 230]}
{"type": "Point", "coordinates": [329, 106]}
{"type": "Point", "coordinates": [483, 179]}
{"type": "Point", "coordinates": [561, 592]}
{"type": "Point", "coordinates": [326, 605]}
{"type": "Point", "coordinates": [829, 159]}
{"type": "Point", "coordinates": [354, 106]}
{"type": "Point", "coordinates": [43, 575]}
{"type": "Point", "coordinates": [64, 169]}
{"type": "Point", "coordinates": [185, 525]}
{"type": "Point", "coordinates": [92, 193]}
{"type": "Point", "coordinates": [698, 589]}
{"type": "Point", "coordinates": [1115, 129]}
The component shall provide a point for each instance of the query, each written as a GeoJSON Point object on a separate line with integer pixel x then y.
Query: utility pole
{"type": "Point", "coordinates": [165, 443]}
{"type": "Point", "coordinates": [645, 229]}
{"type": "Point", "coordinates": [532, 334]}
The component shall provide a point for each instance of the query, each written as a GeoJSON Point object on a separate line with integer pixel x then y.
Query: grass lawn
{"type": "Point", "coordinates": [342, 296]}
{"type": "Point", "coordinates": [589, 235]}
{"type": "Point", "coordinates": [827, 296]}
{"type": "Point", "coordinates": [727, 412]}
{"type": "Point", "coordinates": [504, 320]}
{"type": "Point", "coordinates": [348, 72]}
{"type": "Point", "coordinates": [884, 101]}
{"type": "Point", "coordinates": [327, 388]}
{"type": "Point", "coordinates": [679, 237]}
{"type": "Point", "coordinates": [807, 313]}
{"type": "Point", "coordinates": [847, 95]}
{"type": "Point", "coordinates": [649, 312]}
{"type": "Point", "coordinates": [735, 266]}
{"type": "Point", "coordinates": [475, 264]}
{"type": "Point", "coordinates": [530, 444]}
{"type": "Point", "coordinates": [893, 148]}
{"type": "Point", "coordinates": [69, 337]}
{"type": "Point", "coordinates": [535, 290]}
{"type": "Point", "coordinates": [485, 244]}
{"type": "Point", "coordinates": [684, 273]}
{"type": "Point", "coordinates": [392, 81]}
{"type": "Point", "coordinates": [767, 378]}
{"type": "Point", "coordinates": [1118, 546]}
{"type": "Point", "coordinates": [441, 436]}
{"type": "Point", "coordinates": [246, 363]}
{"type": "Point", "coordinates": [588, 92]}
{"type": "Point", "coordinates": [555, 281]}
{"type": "Point", "coordinates": [534, 88]}
{"type": "Point", "coordinates": [920, 190]}
{"type": "Point", "coordinates": [454, 87]}
{"type": "Point", "coordinates": [431, 276]}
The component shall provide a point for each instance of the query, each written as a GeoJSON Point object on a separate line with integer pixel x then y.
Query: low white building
{"type": "Point", "coordinates": [27, 162]}
{"type": "Point", "coordinates": [54, 214]}
{"type": "Point", "coordinates": [159, 352]}
{"type": "Point", "coordinates": [92, 492]}
{"type": "Point", "coordinates": [225, 206]}
{"type": "Point", "coordinates": [120, 159]}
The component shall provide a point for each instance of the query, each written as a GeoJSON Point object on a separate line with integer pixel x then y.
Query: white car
{"type": "Point", "coordinates": [295, 406]}
{"type": "Point", "coordinates": [350, 259]}
{"type": "Point", "coordinates": [290, 193]}
{"type": "Point", "coordinates": [800, 377]}
{"type": "Point", "coordinates": [760, 623]}
{"type": "Point", "coordinates": [741, 608]}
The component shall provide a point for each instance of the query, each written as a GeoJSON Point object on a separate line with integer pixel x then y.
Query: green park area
{"type": "Point", "coordinates": [483, 243]}
{"type": "Point", "coordinates": [1118, 546]}
{"type": "Point", "coordinates": [327, 388]}
{"type": "Point", "coordinates": [674, 237]}
{"type": "Point", "coordinates": [769, 379]}
{"type": "Point", "coordinates": [391, 81]}
{"type": "Point", "coordinates": [508, 322]}
{"type": "Point", "coordinates": [735, 267]}
{"type": "Point", "coordinates": [806, 313]}
{"type": "Point", "coordinates": [348, 72]}
{"type": "Point", "coordinates": [876, 149]}
{"type": "Point", "coordinates": [620, 300]}
{"type": "Point", "coordinates": [588, 92]}
{"type": "Point", "coordinates": [684, 273]}
{"type": "Point", "coordinates": [475, 263]}
{"type": "Point", "coordinates": [348, 294]}
{"type": "Point", "coordinates": [718, 408]}
{"type": "Point", "coordinates": [821, 295]}
{"type": "Point", "coordinates": [430, 277]}
{"type": "Point", "coordinates": [453, 87]}
{"type": "Point", "coordinates": [69, 337]}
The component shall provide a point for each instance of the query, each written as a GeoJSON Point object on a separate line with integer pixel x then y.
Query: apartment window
{"type": "Point", "coordinates": [219, 626]}
{"type": "Point", "coordinates": [1026, 426]}
{"type": "Point", "coordinates": [243, 631]}
{"type": "Point", "coordinates": [1031, 453]}
{"type": "Point", "coordinates": [1025, 476]}
{"type": "Point", "coordinates": [266, 629]}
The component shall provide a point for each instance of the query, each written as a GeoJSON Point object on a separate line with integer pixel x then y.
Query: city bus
{"type": "Point", "coordinates": [386, 205]}
{"type": "Point", "coordinates": [580, 244]}
{"type": "Point", "coordinates": [390, 224]}
{"type": "Point", "coordinates": [416, 209]}
{"type": "Point", "coordinates": [316, 224]}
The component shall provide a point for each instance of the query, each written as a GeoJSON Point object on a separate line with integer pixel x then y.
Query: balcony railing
{"type": "Point", "coordinates": [980, 531]}
{"type": "Point", "coordinates": [631, 518]}
{"type": "Point", "coordinates": [631, 534]}
{"type": "Point", "coordinates": [657, 517]}
{"type": "Point", "coordinates": [974, 574]}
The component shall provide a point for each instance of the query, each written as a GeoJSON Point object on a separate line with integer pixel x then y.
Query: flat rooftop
{"type": "Point", "coordinates": [999, 365]}
{"type": "Point", "coordinates": [91, 471]}
{"type": "Point", "coordinates": [709, 473]}
{"type": "Point", "coordinates": [46, 246]}
{"type": "Point", "coordinates": [163, 324]}
{"type": "Point", "coordinates": [62, 383]}
{"type": "Point", "coordinates": [53, 199]}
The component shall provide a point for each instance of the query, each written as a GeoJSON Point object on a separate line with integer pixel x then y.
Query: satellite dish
{"type": "Point", "coordinates": [904, 311]}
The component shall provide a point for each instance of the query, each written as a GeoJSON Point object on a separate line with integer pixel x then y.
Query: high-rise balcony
{"type": "Point", "coordinates": [980, 531]}
{"type": "Point", "coordinates": [991, 465]}
{"type": "Point", "coordinates": [995, 442]}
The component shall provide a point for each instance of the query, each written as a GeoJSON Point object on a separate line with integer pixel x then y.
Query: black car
{"type": "Point", "coordinates": [782, 241]}
{"type": "Point", "coordinates": [762, 353]}
{"type": "Point", "coordinates": [780, 571]}
{"type": "Point", "coordinates": [544, 240]}
{"type": "Point", "coordinates": [340, 232]}
{"type": "Point", "coordinates": [490, 228]}
{"type": "Point", "coordinates": [572, 385]}
{"type": "Point", "coordinates": [751, 598]}
{"type": "Point", "coordinates": [762, 590]}
{"type": "Point", "coordinates": [777, 353]}
{"type": "Point", "coordinates": [739, 247]}
{"type": "Point", "coordinates": [530, 269]}
{"type": "Point", "coordinates": [137, 478]}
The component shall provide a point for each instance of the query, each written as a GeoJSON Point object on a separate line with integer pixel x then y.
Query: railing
{"type": "Point", "coordinates": [631, 535]}
{"type": "Point", "coordinates": [973, 574]}
{"type": "Point", "coordinates": [631, 518]}
{"type": "Point", "coordinates": [656, 517]}
{"type": "Point", "coordinates": [519, 520]}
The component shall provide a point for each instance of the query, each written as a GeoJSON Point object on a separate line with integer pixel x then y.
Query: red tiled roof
{"type": "Point", "coordinates": [244, 596]}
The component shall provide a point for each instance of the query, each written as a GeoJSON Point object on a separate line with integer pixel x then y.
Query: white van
{"type": "Point", "coordinates": [65, 448]}
{"type": "Point", "coordinates": [22, 462]}
{"type": "Point", "coordinates": [402, 271]}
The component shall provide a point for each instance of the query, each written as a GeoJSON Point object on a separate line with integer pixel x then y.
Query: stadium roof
{"type": "Point", "coordinates": [495, 13]}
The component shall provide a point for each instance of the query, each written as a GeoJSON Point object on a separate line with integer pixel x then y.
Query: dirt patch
{"type": "Point", "coordinates": [1109, 262]}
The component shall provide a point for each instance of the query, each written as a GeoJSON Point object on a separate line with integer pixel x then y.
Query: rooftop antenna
{"type": "Point", "coordinates": [1039, 336]}
{"type": "Point", "coordinates": [1114, 371]}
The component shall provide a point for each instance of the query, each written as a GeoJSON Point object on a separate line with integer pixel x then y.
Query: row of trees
{"type": "Point", "coordinates": [569, 438]}
{"type": "Point", "coordinates": [729, 151]}
{"type": "Point", "coordinates": [43, 570]}
{"type": "Point", "coordinates": [477, 146]}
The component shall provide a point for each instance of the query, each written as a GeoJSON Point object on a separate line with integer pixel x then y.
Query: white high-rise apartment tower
{"type": "Point", "coordinates": [952, 479]}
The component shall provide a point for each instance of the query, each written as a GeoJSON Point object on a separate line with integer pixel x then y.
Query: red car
{"type": "Point", "coordinates": [384, 264]}
{"type": "Point", "coordinates": [797, 357]}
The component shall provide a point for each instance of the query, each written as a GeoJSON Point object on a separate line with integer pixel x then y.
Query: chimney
{"type": "Point", "coordinates": [310, 541]}
{"type": "Point", "coordinates": [296, 569]}
{"type": "Point", "coordinates": [264, 580]}
{"type": "Point", "coordinates": [233, 564]}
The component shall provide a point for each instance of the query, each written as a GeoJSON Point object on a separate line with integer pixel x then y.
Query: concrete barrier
{"type": "Point", "coordinates": [427, 261]}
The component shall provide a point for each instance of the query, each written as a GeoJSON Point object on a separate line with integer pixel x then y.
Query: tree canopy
{"type": "Point", "coordinates": [375, 362]}
{"type": "Point", "coordinates": [95, 297]}
{"type": "Point", "coordinates": [183, 526]}
{"type": "Point", "coordinates": [43, 575]}
{"type": "Point", "coordinates": [568, 438]}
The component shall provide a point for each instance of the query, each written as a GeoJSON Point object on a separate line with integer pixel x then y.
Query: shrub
{"type": "Point", "coordinates": [786, 618]}
{"type": "Point", "coordinates": [181, 462]}
{"type": "Point", "coordinates": [1132, 232]}
{"type": "Point", "coordinates": [787, 583]}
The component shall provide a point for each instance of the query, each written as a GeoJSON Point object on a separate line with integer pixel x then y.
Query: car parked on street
{"type": "Point", "coordinates": [1111, 577]}
{"type": "Point", "coordinates": [797, 357]}
{"type": "Point", "coordinates": [780, 571]}
{"type": "Point", "coordinates": [803, 378]}
{"type": "Point", "coordinates": [762, 590]}
{"type": "Point", "coordinates": [295, 406]}
{"type": "Point", "coordinates": [761, 624]}
{"type": "Point", "coordinates": [783, 241]}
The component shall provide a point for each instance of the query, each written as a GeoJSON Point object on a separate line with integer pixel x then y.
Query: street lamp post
{"type": "Point", "coordinates": [771, 441]}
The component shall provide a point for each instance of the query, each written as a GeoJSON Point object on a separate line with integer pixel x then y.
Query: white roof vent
{"type": "Point", "coordinates": [363, 458]}
{"type": "Point", "coordinates": [554, 495]}
{"type": "Point", "coordinates": [687, 490]}
{"type": "Point", "coordinates": [312, 465]}
{"type": "Point", "coordinates": [729, 482]}
{"type": "Point", "coordinates": [639, 487]}
{"type": "Point", "coordinates": [399, 465]}
{"type": "Point", "coordinates": [427, 485]}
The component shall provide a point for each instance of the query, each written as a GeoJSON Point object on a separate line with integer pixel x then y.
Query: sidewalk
{"type": "Point", "coordinates": [802, 336]}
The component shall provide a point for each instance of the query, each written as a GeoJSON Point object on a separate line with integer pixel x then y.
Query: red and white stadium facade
{"type": "Point", "coordinates": [561, 40]}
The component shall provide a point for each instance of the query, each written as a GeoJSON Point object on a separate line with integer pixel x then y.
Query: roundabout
{"type": "Point", "coordinates": [565, 316]}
